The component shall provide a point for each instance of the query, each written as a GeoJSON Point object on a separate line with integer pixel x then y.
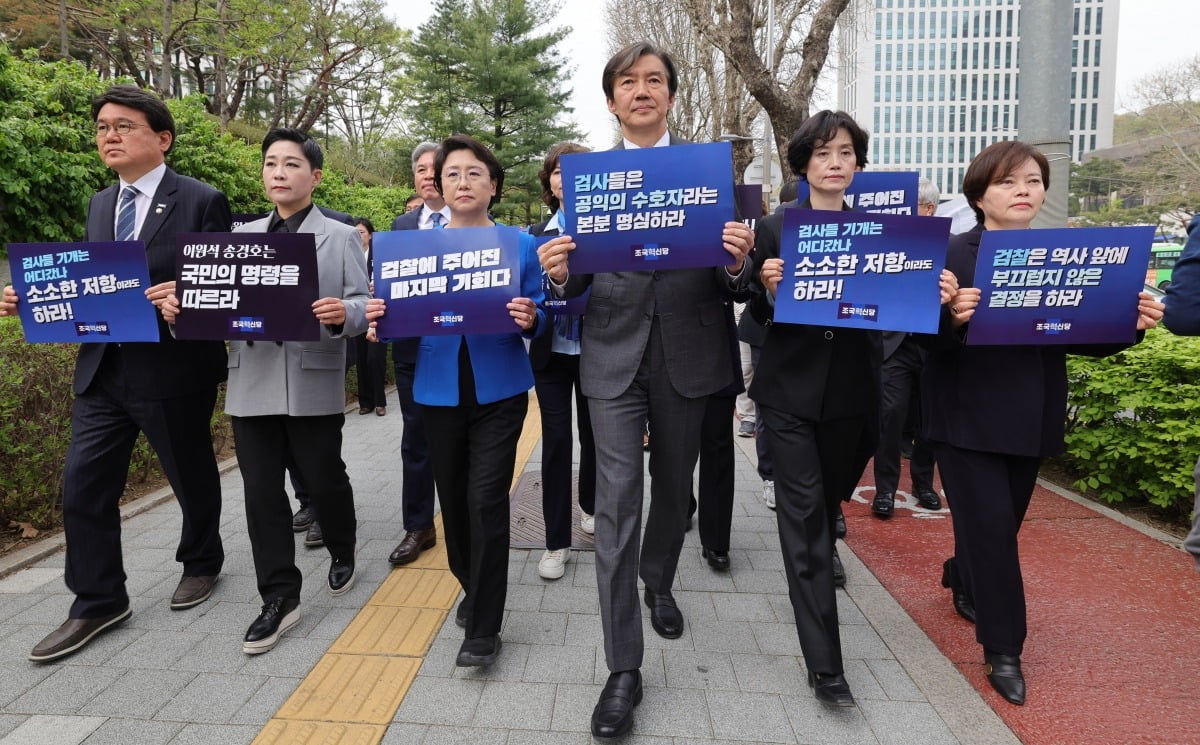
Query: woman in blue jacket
{"type": "Point", "coordinates": [475, 390]}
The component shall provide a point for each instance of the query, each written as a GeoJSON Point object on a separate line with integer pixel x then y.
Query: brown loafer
{"type": "Point", "coordinates": [74, 635]}
{"type": "Point", "coordinates": [415, 541]}
{"type": "Point", "coordinates": [192, 591]}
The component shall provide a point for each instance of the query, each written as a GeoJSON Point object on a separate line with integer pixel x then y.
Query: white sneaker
{"type": "Point", "coordinates": [587, 524]}
{"type": "Point", "coordinates": [554, 563]}
{"type": "Point", "coordinates": [768, 495]}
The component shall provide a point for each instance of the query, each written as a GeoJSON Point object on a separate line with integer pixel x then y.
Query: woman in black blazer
{"type": "Point", "coordinates": [555, 360]}
{"type": "Point", "coordinates": [993, 412]}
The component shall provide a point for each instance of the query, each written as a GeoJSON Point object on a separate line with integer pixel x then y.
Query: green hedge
{"type": "Point", "coordinates": [1133, 425]}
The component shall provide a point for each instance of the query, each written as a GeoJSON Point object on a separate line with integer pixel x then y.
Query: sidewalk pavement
{"type": "Point", "coordinates": [736, 676]}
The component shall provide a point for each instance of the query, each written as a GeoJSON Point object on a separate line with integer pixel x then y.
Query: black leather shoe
{"type": "Point", "coordinates": [410, 548]}
{"type": "Point", "coordinates": [341, 576]}
{"type": "Point", "coordinates": [884, 504]}
{"type": "Point", "coordinates": [315, 537]}
{"type": "Point", "coordinates": [277, 616]}
{"type": "Point", "coordinates": [613, 715]}
{"type": "Point", "coordinates": [963, 604]}
{"type": "Point", "coordinates": [839, 525]}
{"type": "Point", "coordinates": [831, 690]}
{"type": "Point", "coordinates": [479, 652]}
{"type": "Point", "coordinates": [1004, 673]}
{"type": "Point", "coordinates": [74, 635]}
{"type": "Point", "coordinates": [718, 560]}
{"type": "Point", "coordinates": [460, 615]}
{"type": "Point", "coordinates": [839, 571]}
{"type": "Point", "coordinates": [664, 615]}
{"type": "Point", "coordinates": [302, 519]}
{"type": "Point", "coordinates": [929, 499]}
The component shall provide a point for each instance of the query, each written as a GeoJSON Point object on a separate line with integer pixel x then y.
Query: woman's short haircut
{"type": "Point", "coordinates": [479, 150]}
{"type": "Point", "coordinates": [995, 162]}
{"type": "Point", "coordinates": [550, 163]}
{"type": "Point", "coordinates": [820, 128]}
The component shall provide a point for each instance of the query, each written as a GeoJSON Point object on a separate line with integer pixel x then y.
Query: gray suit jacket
{"type": "Point", "coordinates": [691, 311]}
{"type": "Point", "coordinates": [305, 378]}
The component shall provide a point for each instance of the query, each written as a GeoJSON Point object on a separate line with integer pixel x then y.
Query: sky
{"type": "Point", "coordinates": [1151, 34]}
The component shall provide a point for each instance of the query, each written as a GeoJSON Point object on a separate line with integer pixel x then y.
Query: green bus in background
{"type": "Point", "coordinates": [1162, 260]}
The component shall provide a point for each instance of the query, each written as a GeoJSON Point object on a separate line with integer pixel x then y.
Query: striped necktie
{"type": "Point", "coordinates": [127, 214]}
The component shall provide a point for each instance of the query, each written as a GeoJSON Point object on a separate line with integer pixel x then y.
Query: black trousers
{"type": "Point", "coordinates": [816, 465]}
{"type": "Point", "coordinates": [716, 473]}
{"type": "Point", "coordinates": [557, 385]}
{"type": "Point", "coordinates": [105, 421]}
{"type": "Point", "coordinates": [989, 495]}
{"type": "Point", "coordinates": [370, 362]}
{"type": "Point", "coordinates": [314, 446]}
{"type": "Point", "coordinates": [901, 383]}
{"type": "Point", "coordinates": [475, 452]}
{"type": "Point", "coordinates": [417, 488]}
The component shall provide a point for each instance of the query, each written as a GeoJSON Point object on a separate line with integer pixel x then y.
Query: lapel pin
{"type": "Point", "coordinates": [159, 208]}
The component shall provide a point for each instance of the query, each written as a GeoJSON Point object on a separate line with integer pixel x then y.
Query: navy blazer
{"type": "Point", "coordinates": [499, 361]}
{"type": "Point", "coordinates": [1183, 294]}
{"type": "Point", "coordinates": [166, 368]}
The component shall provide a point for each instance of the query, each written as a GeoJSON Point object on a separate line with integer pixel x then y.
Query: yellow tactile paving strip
{"type": "Point", "coordinates": [353, 692]}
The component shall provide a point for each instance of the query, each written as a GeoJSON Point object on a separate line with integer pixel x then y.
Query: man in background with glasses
{"type": "Point", "coordinates": [166, 389]}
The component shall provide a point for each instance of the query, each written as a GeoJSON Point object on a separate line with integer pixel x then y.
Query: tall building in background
{"type": "Point", "coordinates": [936, 81]}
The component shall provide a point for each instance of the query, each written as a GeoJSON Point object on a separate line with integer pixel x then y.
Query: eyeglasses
{"type": "Point", "coordinates": [474, 175]}
{"type": "Point", "coordinates": [122, 127]}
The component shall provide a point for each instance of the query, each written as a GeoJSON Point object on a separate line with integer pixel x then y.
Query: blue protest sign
{"type": "Point", "coordinates": [1059, 285]}
{"type": "Point", "coordinates": [851, 269]}
{"type": "Point", "coordinates": [251, 286]}
{"type": "Point", "coordinates": [648, 209]}
{"type": "Point", "coordinates": [453, 281]}
{"type": "Point", "coordinates": [879, 192]}
{"type": "Point", "coordinates": [83, 292]}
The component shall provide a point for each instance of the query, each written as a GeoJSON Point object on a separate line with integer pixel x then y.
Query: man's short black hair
{"type": "Point", "coordinates": [158, 116]}
{"type": "Point", "coordinates": [628, 57]}
{"type": "Point", "coordinates": [820, 128]}
{"type": "Point", "coordinates": [312, 151]}
{"type": "Point", "coordinates": [479, 150]}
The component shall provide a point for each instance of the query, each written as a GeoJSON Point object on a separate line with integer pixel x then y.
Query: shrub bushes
{"type": "Point", "coordinates": [1133, 423]}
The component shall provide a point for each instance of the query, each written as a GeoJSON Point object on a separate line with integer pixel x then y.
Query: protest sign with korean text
{"type": "Point", "coordinates": [649, 208]}
{"type": "Point", "coordinates": [878, 192]}
{"type": "Point", "coordinates": [249, 286]}
{"type": "Point", "coordinates": [851, 269]}
{"type": "Point", "coordinates": [83, 292]}
{"type": "Point", "coordinates": [450, 281]}
{"type": "Point", "coordinates": [1060, 285]}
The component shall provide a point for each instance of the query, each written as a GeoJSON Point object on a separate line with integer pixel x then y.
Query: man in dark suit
{"type": "Point", "coordinates": [903, 360]}
{"type": "Point", "coordinates": [417, 491]}
{"type": "Point", "coordinates": [166, 389]}
{"type": "Point", "coordinates": [654, 345]}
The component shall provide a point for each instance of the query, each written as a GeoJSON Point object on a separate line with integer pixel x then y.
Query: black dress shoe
{"type": "Point", "coordinates": [839, 571]}
{"type": "Point", "coordinates": [479, 652]}
{"type": "Point", "coordinates": [963, 604]}
{"type": "Point", "coordinates": [315, 537]}
{"type": "Point", "coordinates": [831, 690]}
{"type": "Point", "coordinates": [460, 615]}
{"type": "Point", "coordinates": [277, 616]}
{"type": "Point", "coordinates": [1004, 673]}
{"type": "Point", "coordinates": [929, 499]}
{"type": "Point", "coordinates": [613, 715]}
{"type": "Point", "coordinates": [839, 525]}
{"type": "Point", "coordinates": [302, 519]}
{"type": "Point", "coordinates": [665, 617]}
{"type": "Point", "coordinates": [884, 504]}
{"type": "Point", "coordinates": [74, 635]}
{"type": "Point", "coordinates": [413, 543]}
{"type": "Point", "coordinates": [716, 559]}
{"type": "Point", "coordinates": [341, 576]}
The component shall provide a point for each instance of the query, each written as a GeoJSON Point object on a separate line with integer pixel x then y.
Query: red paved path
{"type": "Point", "coordinates": [1113, 654]}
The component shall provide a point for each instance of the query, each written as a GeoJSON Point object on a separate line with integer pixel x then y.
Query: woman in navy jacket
{"type": "Point", "coordinates": [474, 389]}
{"type": "Point", "coordinates": [993, 412]}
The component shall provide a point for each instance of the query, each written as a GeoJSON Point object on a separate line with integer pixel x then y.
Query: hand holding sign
{"type": "Point", "coordinates": [771, 274]}
{"type": "Point", "coordinates": [552, 255]}
{"type": "Point", "coordinates": [1150, 311]}
{"type": "Point", "coordinates": [739, 241]}
{"type": "Point", "coordinates": [8, 303]}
